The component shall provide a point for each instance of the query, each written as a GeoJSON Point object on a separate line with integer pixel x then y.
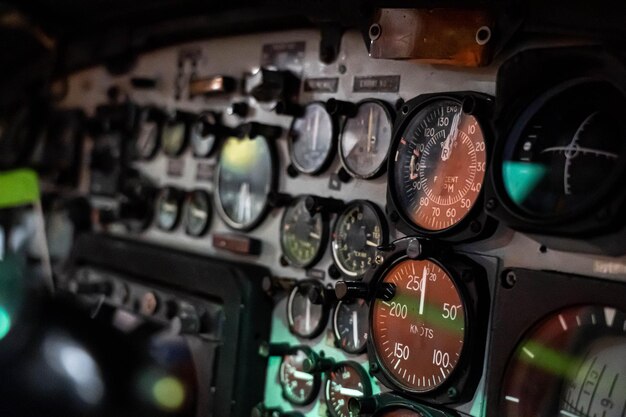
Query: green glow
{"type": "Point", "coordinates": [5, 323]}
{"type": "Point", "coordinates": [169, 393]}
{"type": "Point", "coordinates": [521, 178]}
{"type": "Point", "coordinates": [549, 360]}
{"type": "Point", "coordinates": [238, 155]}
{"type": "Point", "coordinates": [18, 188]}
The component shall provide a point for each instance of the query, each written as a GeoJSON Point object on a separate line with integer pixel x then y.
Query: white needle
{"type": "Point", "coordinates": [446, 150]}
{"type": "Point", "coordinates": [314, 235]}
{"type": "Point", "coordinates": [302, 375]}
{"type": "Point", "coordinates": [316, 128]}
{"type": "Point", "coordinates": [372, 244]}
{"type": "Point", "coordinates": [369, 131]}
{"type": "Point", "coordinates": [349, 392]}
{"type": "Point", "coordinates": [423, 287]}
{"type": "Point", "coordinates": [198, 213]}
{"type": "Point", "coordinates": [355, 329]}
{"type": "Point", "coordinates": [307, 316]}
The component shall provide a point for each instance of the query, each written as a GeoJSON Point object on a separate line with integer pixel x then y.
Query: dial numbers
{"type": "Point", "coordinates": [419, 334]}
{"type": "Point", "coordinates": [311, 140]}
{"type": "Point", "coordinates": [302, 235]}
{"type": "Point", "coordinates": [350, 325]}
{"type": "Point", "coordinates": [299, 387]}
{"type": "Point", "coordinates": [347, 380]}
{"type": "Point", "coordinates": [439, 166]}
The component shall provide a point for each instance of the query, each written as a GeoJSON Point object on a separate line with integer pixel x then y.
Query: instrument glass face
{"type": "Point", "coordinates": [558, 161]}
{"type": "Point", "coordinates": [197, 213]}
{"type": "Point", "coordinates": [418, 335]}
{"type": "Point", "coordinates": [577, 354]}
{"type": "Point", "coordinates": [365, 140]}
{"type": "Point", "coordinates": [302, 235]}
{"type": "Point", "coordinates": [203, 142]}
{"type": "Point", "coordinates": [244, 179]}
{"type": "Point", "coordinates": [168, 209]}
{"type": "Point", "coordinates": [306, 319]}
{"type": "Point", "coordinates": [350, 325]}
{"type": "Point", "coordinates": [439, 166]}
{"type": "Point", "coordinates": [356, 236]}
{"type": "Point", "coordinates": [345, 381]}
{"type": "Point", "coordinates": [173, 138]}
{"type": "Point", "coordinates": [147, 142]}
{"type": "Point", "coordinates": [299, 387]}
{"type": "Point", "coordinates": [311, 139]}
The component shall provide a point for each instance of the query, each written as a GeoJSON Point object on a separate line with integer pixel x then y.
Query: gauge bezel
{"type": "Point", "coordinates": [151, 114]}
{"type": "Point", "coordinates": [365, 378]}
{"type": "Point", "coordinates": [319, 329]}
{"type": "Point", "coordinates": [273, 186]}
{"type": "Point", "coordinates": [381, 169]}
{"type": "Point", "coordinates": [363, 349]}
{"type": "Point", "coordinates": [317, 384]}
{"type": "Point", "coordinates": [470, 279]}
{"type": "Point", "coordinates": [179, 196]}
{"type": "Point", "coordinates": [384, 230]}
{"type": "Point", "coordinates": [216, 142]}
{"type": "Point", "coordinates": [179, 117]}
{"type": "Point", "coordinates": [333, 146]}
{"type": "Point", "coordinates": [323, 241]}
{"type": "Point", "coordinates": [475, 224]}
{"type": "Point", "coordinates": [186, 209]}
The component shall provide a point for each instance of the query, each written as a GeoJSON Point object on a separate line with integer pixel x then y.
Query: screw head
{"type": "Point", "coordinates": [509, 279]}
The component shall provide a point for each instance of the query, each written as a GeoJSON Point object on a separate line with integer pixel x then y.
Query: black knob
{"type": "Point", "coordinates": [334, 272]}
{"type": "Point", "coordinates": [240, 108]}
{"type": "Point", "coordinates": [104, 160]}
{"type": "Point", "coordinates": [187, 320]}
{"type": "Point", "coordinates": [292, 171]}
{"type": "Point", "coordinates": [254, 129]}
{"type": "Point", "coordinates": [341, 108]}
{"type": "Point", "coordinates": [351, 290]}
{"type": "Point", "coordinates": [268, 86]}
{"type": "Point", "coordinates": [143, 83]}
{"type": "Point", "coordinates": [290, 109]}
{"type": "Point", "coordinates": [323, 205]}
{"type": "Point", "coordinates": [343, 175]}
{"type": "Point", "coordinates": [363, 405]}
{"type": "Point", "coordinates": [317, 294]}
{"type": "Point", "coordinates": [316, 363]}
{"type": "Point", "coordinates": [385, 291]}
{"type": "Point", "coordinates": [276, 199]}
{"type": "Point", "coordinates": [276, 349]}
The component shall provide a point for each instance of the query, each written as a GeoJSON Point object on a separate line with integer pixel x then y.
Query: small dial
{"type": "Point", "coordinates": [346, 380]}
{"type": "Point", "coordinates": [303, 237]}
{"type": "Point", "coordinates": [203, 135]}
{"type": "Point", "coordinates": [358, 232]}
{"type": "Point", "coordinates": [312, 140]}
{"type": "Point", "coordinates": [439, 166]}
{"type": "Point", "coordinates": [174, 138]}
{"type": "Point", "coordinates": [148, 135]}
{"type": "Point", "coordinates": [418, 335]}
{"type": "Point", "coordinates": [351, 326]}
{"type": "Point", "coordinates": [197, 213]}
{"type": "Point", "coordinates": [299, 387]}
{"type": "Point", "coordinates": [169, 208]}
{"type": "Point", "coordinates": [365, 139]}
{"type": "Point", "coordinates": [306, 318]}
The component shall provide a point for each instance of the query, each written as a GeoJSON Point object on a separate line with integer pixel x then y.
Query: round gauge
{"type": "Point", "coordinates": [306, 319]}
{"type": "Point", "coordinates": [439, 166]}
{"type": "Point", "coordinates": [312, 140]}
{"type": "Point", "coordinates": [299, 387]}
{"type": "Point", "coordinates": [350, 325]}
{"type": "Point", "coordinates": [303, 237]}
{"type": "Point", "coordinates": [358, 232]}
{"type": "Point", "coordinates": [346, 380]}
{"type": "Point", "coordinates": [169, 208]}
{"type": "Point", "coordinates": [174, 138]}
{"type": "Point", "coordinates": [148, 136]}
{"type": "Point", "coordinates": [418, 335]}
{"type": "Point", "coordinates": [197, 213]}
{"type": "Point", "coordinates": [365, 139]}
{"type": "Point", "coordinates": [578, 356]}
{"type": "Point", "coordinates": [203, 137]}
{"type": "Point", "coordinates": [398, 412]}
{"type": "Point", "coordinates": [565, 151]}
{"type": "Point", "coordinates": [245, 177]}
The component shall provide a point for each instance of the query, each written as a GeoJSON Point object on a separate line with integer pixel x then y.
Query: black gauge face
{"type": "Point", "coordinates": [351, 326]}
{"type": "Point", "coordinates": [365, 139]}
{"type": "Point", "coordinates": [203, 139]}
{"type": "Point", "coordinates": [346, 380]}
{"type": "Point", "coordinates": [197, 213]}
{"type": "Point", "coordinates": [565, 151]}
{"type": "Point", "coordinates": [571, 365]}
{"type": "Point", "coordinates": [244, 179]}
{"type": "Point", "coordinates": [168, 208]}
{"type": "Point", "coordinates": [311, 139]}
{"type": "Point", "coordinates": [147, 141]}
{"type": "Point", "coordinates": [358, 231]}
{"type": "Point", "coordinates": [306, 319]}
{"type": "Point", "coordinates": [399, 412]}
{"type": "Point", "coordinates": [418, 335]}
{"type": "Point", "coordinates": [299, 387]}
{"type": "Point", "coordinates": [173, 138]}
{"type": "Point", "coordinates": [439, 166]}
{"type": "Point", "coordinates": [303, 237]}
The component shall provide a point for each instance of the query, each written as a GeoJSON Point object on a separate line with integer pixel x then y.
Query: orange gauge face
{"type": "Point", "coordinates": [418, 335]}
{"type": "Point", "coordinates": [439, 166]}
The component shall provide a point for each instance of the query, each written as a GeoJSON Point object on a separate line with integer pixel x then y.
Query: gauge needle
{"type": "Point", "coordinates": [316, 128]}
{"type": "Point", "coordinates": [372, 244]}
{"type": "Point", "coordinates": [446, 150]}
{"type": "Point", "coordinates": [370, 139]}
{"type": "Point", "coordinates": [169, 207]}
{"type": "Point", "coordinates": [423, 287]}
{"type": "Point", "coordinates": [302, 375]}
{"type": "Point", "coordinates": [314, 235]}
{"type": "Point", "coordinates": [307, 316]}
{"type": "Point", "coordinates": [349, 392]}
{"type": "Point", "coordinates": [355, 329]}
{"type": "Point", "coordinates": [198, 213]}
{"type": "Point", "coordinates": [245, 202]}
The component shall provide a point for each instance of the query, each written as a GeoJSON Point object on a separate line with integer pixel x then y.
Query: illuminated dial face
{"type": "Point", "coordinates": [311, 139]}
{"type": "Point", "coordinates": [203, 140]}
{"type": "Point", "coordinates": [365, 140]}
{"type": "Point", "coordinates": [578, 355]}
{"type": "Point", "coordinates": [351, 326]}
{"type": "Point", "coordinates": [346, 380]}
{"type": "Point", "coordinates": [168, 208]}
{"type": "Point", "coordinates": [439, 166]}
{"type": "Point", "coordinates": [419, 334]}
{"type": "Point", "coordinates": [174, 139]}
{"type": "Point", "coordinates": [197, 213]}
{"type": "Point", "coordinates": [306, 319]}
{"type": "Point", "coordinates": [244, 179]}
{"type": "Point", "coordinates": [147, 142]}
{"type": "Point", "coordinates": [299, 387]}
{"type": "Point", "coordinates": [303, 236]}
{"type": "Point", "coordinates": [358, 232]}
